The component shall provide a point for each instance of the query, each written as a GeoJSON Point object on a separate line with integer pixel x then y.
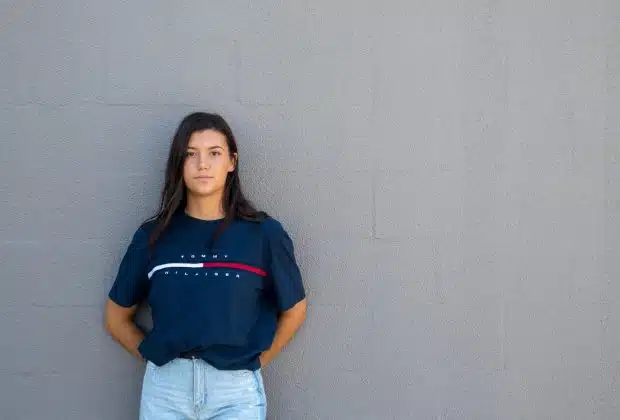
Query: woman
{"type": "Point", "coordinates": [225, 291]}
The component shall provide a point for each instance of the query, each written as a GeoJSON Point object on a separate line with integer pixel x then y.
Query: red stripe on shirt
{"type": "Point", "coordinates": [237, 266]}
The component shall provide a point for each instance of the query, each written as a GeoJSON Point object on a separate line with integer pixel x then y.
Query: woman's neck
{"type": "Point", "coordinates": [205, 208]}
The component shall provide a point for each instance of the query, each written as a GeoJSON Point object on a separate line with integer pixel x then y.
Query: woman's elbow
{"type": "Point", "coordinates": [110, 324]}
{"type": "Point", "coordinates": [116, 316]}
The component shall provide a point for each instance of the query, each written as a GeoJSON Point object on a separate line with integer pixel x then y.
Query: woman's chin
{"type": "Point", "coordinates": [202, 191]}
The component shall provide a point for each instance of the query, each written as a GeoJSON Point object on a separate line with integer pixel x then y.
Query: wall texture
{"type": "Point", "coordinates": [449, 171]}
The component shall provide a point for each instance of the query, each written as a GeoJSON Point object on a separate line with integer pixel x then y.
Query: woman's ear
{"type": "Point", "coordinates": [233, 162]}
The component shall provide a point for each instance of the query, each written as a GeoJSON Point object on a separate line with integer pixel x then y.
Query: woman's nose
{"type": "Point", "coordinates": [203, 162]}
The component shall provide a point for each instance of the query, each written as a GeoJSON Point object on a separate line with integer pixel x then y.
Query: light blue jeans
{"type": "Point", "coordinates": [192, 389]}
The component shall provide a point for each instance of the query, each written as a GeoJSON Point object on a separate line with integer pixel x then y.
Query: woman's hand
{"type": "Point", "coordinates": [119, 324]}
{"type": "Point", "coordinates": [288, 324]}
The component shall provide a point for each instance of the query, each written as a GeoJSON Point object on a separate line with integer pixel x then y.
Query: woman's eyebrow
{"type": "Point", "coordinates": [212, 147]}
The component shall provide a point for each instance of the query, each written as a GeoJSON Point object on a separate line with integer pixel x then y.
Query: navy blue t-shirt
{"type": "Point", "coordinates": [220, 301]}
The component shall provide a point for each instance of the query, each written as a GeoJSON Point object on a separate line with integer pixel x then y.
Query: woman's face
{"type": "Point", "coordinates": [207, 164]}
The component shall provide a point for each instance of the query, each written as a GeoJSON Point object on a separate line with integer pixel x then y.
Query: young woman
{"type": "Point", "coordinates": [225, 291]}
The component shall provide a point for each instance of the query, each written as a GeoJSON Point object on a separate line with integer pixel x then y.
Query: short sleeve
{"type": "Point", "coordinates": [131, 285]}
{"type": "Point", "coordinates": [283, 270]}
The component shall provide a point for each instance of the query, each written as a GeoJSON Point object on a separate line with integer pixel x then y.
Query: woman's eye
{"type": "Point", "coordinates": [215, 153]}
{"type": "Point", "coordinates": [191, 154]}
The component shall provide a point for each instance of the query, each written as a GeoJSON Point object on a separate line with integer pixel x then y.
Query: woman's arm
{"type": "Point", "coordinates": [288, 324]}
{"type": "Point", "coordinates": [119, 324]}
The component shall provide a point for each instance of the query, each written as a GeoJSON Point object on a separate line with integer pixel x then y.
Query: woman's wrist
{"type": "Point", "coordinates": [264, 359]}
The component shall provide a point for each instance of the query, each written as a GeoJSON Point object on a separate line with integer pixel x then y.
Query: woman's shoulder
{"type": "Point", "coordinates": [143, 232]}
{"type": "Point", "coordinates": [273, 228]}
{"type": "Point", "coordinates": [270, 223]}
{"type": "Point", "coordinates": [148, 226]}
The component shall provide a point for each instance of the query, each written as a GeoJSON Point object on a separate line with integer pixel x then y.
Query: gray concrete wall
{"type": "Point", "coordinates": [449, 171]}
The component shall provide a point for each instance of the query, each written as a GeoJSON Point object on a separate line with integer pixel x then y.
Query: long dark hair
{"type": "Point", "coordinates": [174, 195]}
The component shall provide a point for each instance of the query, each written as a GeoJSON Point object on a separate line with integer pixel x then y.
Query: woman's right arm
{"type": "Point", "coordinates": [120, 325]}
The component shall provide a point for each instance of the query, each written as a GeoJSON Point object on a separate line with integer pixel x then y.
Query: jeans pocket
{"type": "Point", "coordinates": [260, 388]}
{"type": "Point", "coordinates": [150, 374]}
{"type": "Point", "coordinates": [258, 377]}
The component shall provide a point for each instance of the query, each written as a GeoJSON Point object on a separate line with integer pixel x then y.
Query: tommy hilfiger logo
{"type": "Point", "coordinates": [229, 265]}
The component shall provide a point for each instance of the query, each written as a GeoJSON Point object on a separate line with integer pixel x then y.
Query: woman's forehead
{"type": "Point", "coordinates": [207, 139]}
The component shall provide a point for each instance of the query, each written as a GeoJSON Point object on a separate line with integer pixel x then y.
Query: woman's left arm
{"type": "Point", "coordinates": [289, 322]}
